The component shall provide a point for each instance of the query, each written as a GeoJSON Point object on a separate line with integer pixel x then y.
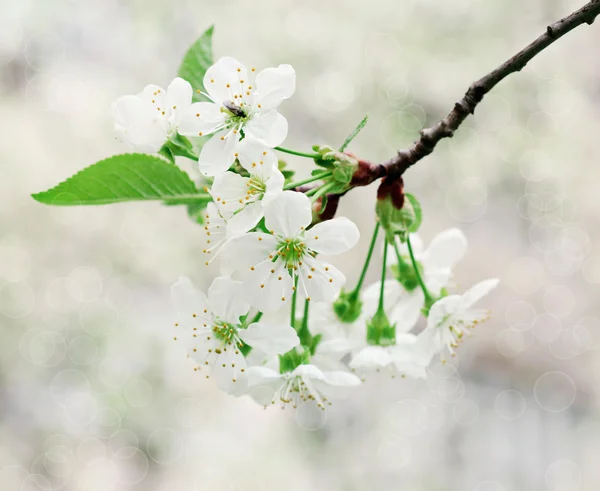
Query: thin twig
{"type": "Point", "coordinates": [445, 128]}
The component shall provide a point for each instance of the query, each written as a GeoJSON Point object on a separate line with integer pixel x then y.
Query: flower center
{"type": "Point", "coordinates": [256, 188]}
{"type": "Point", "coordinates": [292, 251]}
{"type": "Point", "coordinates": [226, 333]}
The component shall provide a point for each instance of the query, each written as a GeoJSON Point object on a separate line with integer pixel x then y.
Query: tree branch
{"type": "Point", "coordinates": [396, 166]}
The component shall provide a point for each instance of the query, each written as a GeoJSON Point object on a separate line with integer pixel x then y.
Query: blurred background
{"type": "Point", "coordinates": [94, 395]}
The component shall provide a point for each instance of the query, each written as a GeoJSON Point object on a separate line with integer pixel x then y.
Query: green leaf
{"type": "Point", "coordinates": [196, 61]}
{"type": "Point", "coordinates": [394, 221]}
{"type": "Point", "coordinates": [128, 177]}
{"type": "Point", "coordinates": [417, 212]}
{"type": "Point", "coordinates": [356, 131]}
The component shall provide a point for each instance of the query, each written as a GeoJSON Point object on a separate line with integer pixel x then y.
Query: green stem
{"type": "Point", "coordinates": [186, 153]}
{"type": "Point", "coordinates": [256, 317]}
{"type": "Point", "coordinates": [307, 180]}
{"type": "Point", "coordinates": [322, 190]}
{"type": "Point", "coordinates": [363, 273]}
{"type": "Point", "coordinates": [293, 313]}
{"type": "Point", "coordinates": [428, 296]}
{"type": "Point", "coordinates": [304, 328]}
{"type": "Point", "coordinates": [383, 273]}
{"type": "Point", "coordinates": [299, 154]}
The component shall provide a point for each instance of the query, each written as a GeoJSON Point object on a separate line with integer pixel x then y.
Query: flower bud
{"type": "Point", "coordinates": [348, 306]}
{"type": "Point", "coordinates": [379, 330]}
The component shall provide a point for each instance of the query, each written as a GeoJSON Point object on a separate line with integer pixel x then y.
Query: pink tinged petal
{"type": "Point", "coordinates": [288, 214]}
{"type": "Point", "coordinates": [270, 128]}
{"type": "Point", "coordinates": [371, 358]}
{"type": "Point", "coordinates": [269, 286]}
{"type": "Point", "coordinates": [442, 310]}
{"type": "Point", "coordinates": [227, 299]}
{"type": "Point", "coordinates": [229, 192]}
{"type": "Point", "coordinates": [333, 236]}
{"type": "Point", "coordinates": [226, 71]}
{"type": "Point", "coordinates": [179, 99]}
{"type": "Point", "coordinates": [247, 251]}
{"type": "Point", "coordinates": [256, 157]}
{"type": "Point", "coordinates": [218, 153]}
{"type": "Point", "coordinates": [405, 312]}
{"type": "Point", "coordinates": [138, 124]}
{"type": "Point", "coordinates": [190, 303]}
{"type": "Point", "coordinates": [445, 250]}
{"type": "Point", "coordinates": [477, 292]}
{"type": "Point", "coordinates": [274, 187]}
{"type": "Point", "coordinates": [269, 338]}
{"type": "Point", "coordinates": [228, 371]}
{"type": "Point", "coordinates": [201, 118]}
{"type": "Point", "coordinates": [321, 285]}
{"type": "Point", "coordinates": [245, 219]}
{"type": "Point", "coordinates": [273, 85]}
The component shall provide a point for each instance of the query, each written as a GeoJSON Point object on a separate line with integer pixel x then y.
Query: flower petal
{"type": "Point", "coordinates": [179, 98]}
{"type": "Point", "coordinates": [247, 250]}
{"type": "Point", "coordinates": [274, 187]}
{"type": "Point", "coordinates": [406, 310]}
{"type": "Point", "coordinates": [245, 219]}
{"type": "Point", "coordinates": [371, 358]}
{"type": "Point", "coordinates": [271, 339]}
{"type": "Point", "coordinates": [477, 292]}
{"type": "Point", "coordinates": [417, 246]}
{"type": "Point", "coordinates": [269, 285]}
{"type": "Point", "coordinates": [271, 128]}
{"type": "Point", "coordinates": [228, 372]}
{"type": "Point", "coordinates": [445, 250]}
{"type": "Point", "coordinates": [319, 281]}
{"type": "Point", "coordinates": [288, 214]}
{"type": "Point", "coordinates": [227, 299]}
{"type": "Point", "coordinates": [138, 124]}
{"type": "Point", "coordinates": [190, 303]}
{"type": "Point", "coordinates": [308, 371]}
{"type": "Point", "coordinates": [217, 154]}
{"type": "Point", "coordinates": [256, 157]}
{"type": "Point", "coordinates": [226, 71]}
{"type": "Point", "coordinates": [442, 310]}
{"type": "Point", "coordinates": [341, 379]}
{"type": "Point", "coordinates": [201, 118]}
{"type": "Point", "coordinates": [228, 190]}
{"type": "Point", "coordinates": [155, 95]}
{"type": "Point", "coordinates": [333, 236]}
{"type": "Point", "coordinates": [273, 85]}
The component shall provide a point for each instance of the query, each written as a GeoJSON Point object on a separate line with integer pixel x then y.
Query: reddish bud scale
{"type": "Point", "coordinates": [392, 189]}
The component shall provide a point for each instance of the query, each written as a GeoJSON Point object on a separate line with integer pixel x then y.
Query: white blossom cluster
{"type": "Point", "coordinates": [271, 255]}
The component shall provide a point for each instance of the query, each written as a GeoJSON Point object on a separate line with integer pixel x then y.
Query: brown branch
{"type": "Point", "coordinates": [396, 166]}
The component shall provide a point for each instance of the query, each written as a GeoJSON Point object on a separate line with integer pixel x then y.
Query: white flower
{"type": "Point", "coordinates": [338, 338]}
{"type": "Point", "coordinates": [217, 232]}
{"type": "Point", "coordinates": [243, 104]}
{"type": "Point", "coordinates": [305, 384]}
{"type": "Point", "coordinates": [451, 316]}
{"type": "Point", "coordinates": [407, 357]}
{"type": "Point", "coordinates": [146, 121]}
{"type": "Point", "coordinates": [241, 200]}
{"type": "Point", "coordinates": [214, 333]}
{"type": "Point", "coordinates": [270, 264]}
{"type": "Point", "coordinates": [445, 250]}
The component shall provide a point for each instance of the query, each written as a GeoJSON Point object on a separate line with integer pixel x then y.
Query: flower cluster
{"type": "Point", "coordinates": [271, 243]}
